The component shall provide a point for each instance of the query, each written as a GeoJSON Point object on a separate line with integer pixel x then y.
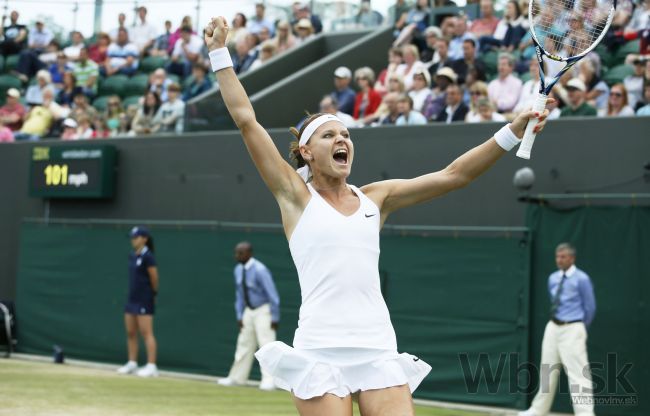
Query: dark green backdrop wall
{"type": "Point", "coordinates": [613, 247]}
{"type": "Point", "coordinates": [448, 295]}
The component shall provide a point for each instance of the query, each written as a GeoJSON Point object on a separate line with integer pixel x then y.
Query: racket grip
{"type": "Point", "coordinates": [529, 137]}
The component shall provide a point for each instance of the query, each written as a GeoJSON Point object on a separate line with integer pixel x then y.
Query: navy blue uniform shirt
{"type": "Point", "coordinates": [140, 290]}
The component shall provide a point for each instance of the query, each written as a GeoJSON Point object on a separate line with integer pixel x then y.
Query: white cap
{"type": "Point", "coordinates": [445, 71]}
{"type": "Point", "coordinates": [68, 122]}
{"type": "Point", "coordinates": [577, 84]}
{"type": "Point", "coordinates": [13, 92]}
{"type": "Point", "coordinates": [433, 30]}
{"type": "Point", "coordinates": [343, 72]}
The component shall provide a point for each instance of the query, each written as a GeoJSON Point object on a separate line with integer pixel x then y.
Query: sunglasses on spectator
{"type": "Point", "coordinates": [476, 93]}
{"type": "Point", "coordinates": [616, 94]}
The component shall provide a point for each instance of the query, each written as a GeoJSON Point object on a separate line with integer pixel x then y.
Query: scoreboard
{"type": "Point", "coordinates": [63, 171]}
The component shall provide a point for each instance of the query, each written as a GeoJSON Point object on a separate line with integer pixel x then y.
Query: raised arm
{"type": "Point", "coordinates": [279, 176]}
{"type": "Point", "coordinates": [395, 194]}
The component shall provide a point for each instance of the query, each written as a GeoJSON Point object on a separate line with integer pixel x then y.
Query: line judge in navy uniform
{"type": "Point", "coordinates": [139, 309]}
{"type": "Point", "coordinates": [573, 307]}
{"type": "Point", "coordinates": [257, 306]}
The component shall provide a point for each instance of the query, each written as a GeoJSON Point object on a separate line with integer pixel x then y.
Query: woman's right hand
{"type": "Point", "coordinates": [215, 33]}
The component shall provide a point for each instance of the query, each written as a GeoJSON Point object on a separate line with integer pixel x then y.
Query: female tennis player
{"type": "Point", "coordinates": [139, 309]}
{"type": "Point", "coordinates": [345, 342]}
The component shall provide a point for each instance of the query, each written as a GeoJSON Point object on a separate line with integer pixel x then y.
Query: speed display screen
{"type": "Point", "coordinates": [72, 172]}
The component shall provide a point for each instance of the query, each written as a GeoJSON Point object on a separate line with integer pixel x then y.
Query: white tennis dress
{"type": "Point", "coordinates": [345, 341]}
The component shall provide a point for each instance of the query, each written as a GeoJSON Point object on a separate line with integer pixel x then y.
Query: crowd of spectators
{"type": "Point", "coordinates": [486, 69]}
{"type": "Point", "coordinates": [459, 70]}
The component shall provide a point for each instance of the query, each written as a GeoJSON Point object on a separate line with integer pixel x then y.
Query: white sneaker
{"type": "Point", "coordinates": [128, 368]}
{"type": "Point", "coordinates": [267, 385]}
{"type": "Point", "coordinates": [228, 382]}
{"type": "Point", "coordinates": [149, 370]}
{"type": "Point", "coordinates": [528, 412]}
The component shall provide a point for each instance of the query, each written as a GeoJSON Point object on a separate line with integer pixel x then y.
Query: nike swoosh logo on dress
{"type": "Point", "coordinates": [368, 216]}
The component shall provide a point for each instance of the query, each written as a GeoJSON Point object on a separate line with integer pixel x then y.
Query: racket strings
{"type": "Point", "coordinates": [569, 27]}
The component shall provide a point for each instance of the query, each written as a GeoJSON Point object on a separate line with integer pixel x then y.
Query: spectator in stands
{"type": "Point", "coordinates": [617, 104]}
{"type": "Point", "coordinates": [58, 112]}
{"type": "Point", "coordinates": [143, 120]}
{"type": "Point", "coordinates": [411, 26]}
{"type": "Point", "coordinates": [187, 52]}
{"type": "Point", "coordinates": [99, 50]}
{"type": "Point", "coordinates": [186, 21]}
{"type": "Point", "coordinates": [14, 36]}
{"type": "Point", "coordinates": [58, 68]}
{"type": "Point", "coordinates": [429, 55]}
{"type": "Point", "coordinates": [509, 32]}
{"type": "Point", "coordinates": [304, 31]}
{"type": "Point", "coordinates": [113, 113]}
{"type": "Point", "coordinates": [200, 83]}
{"type": "Point", "coordinates": [487, 23]}
{"type": "Point", "coordinates": [421, 90]}
{"type": "Point", "coordinates": [259, 21]}
{"type": "Point", "coordinates": [85, 129]}
{"type": "Point", "coordinates": [267, 51]}
{"type": "Point", "coordinates": [28, 62]}
{"type": "Point", "coordinates": [408, 116]}
{"type": "Point", "coordinates": [69, 130]}
{"type": "Point", "coordinates": [411, 65]}
{"type": "Point", "coordinates": [76, 43]}
{"type": "Point", "coordinates": [237, 32]}
{"type": "Point", "coordinates": [460, 36]}
{"type": "Point", "coordinates": [303, 12]}
{"type": "Point", "coordinates": [392, 109]}
{"type": "Point", "coordinates": [34, 94]}
{"type": "Point", "coordinates": [643, 106]}
{"type": "Point", "coordinates": [634, 83]}
{"type": "Point", "coordinates": [367, 17]}
{"type": "Point", "coordinates": [100, 128]}
{"type": "Point", "coordinates": [477, 91]}
{"type": "Point", "coordinates": [469, 60]}
{"type": "Point", "coordinates": [81, 108]}
{"type": "Point", "coordinates": [6, 135]}
{"type": "Point", "coordinates": [143, 34]}
{"type": "Point", "coordinates": [169, 117]}
{"type": "Point", "coordinates": [122, 56]}
{"type": "Point", "coordinates": [328, 104]}
{"type": "Point", "coordinates": [367, 99]}
{"type": "Point", "coordinates": [504, 91]}
{"type": "Point", "coordinates": [36, 125]}
{"type": "Point", "coordinates": [86, 73]}
{"type": "Point", "coordinates": [486, 112]}
{"type": "Point", "coordinates": [243, 57]}
{"type": "Point", "coordinates": [394, 61]}
{"type": "Point", "coordinates": [159, 83]}
{"type": "Point", "coordinates": [65, 96]}
{"type": "Point", "coordinates": [456, 110]}
{"type": "Point", "coordinates": [577, 105]}
{"type": "Point", "coordinates": [121, 19]}
{"type": "Point", "coordinates": [597, 90]}
{"type": "Point", "coordinates": [529, 90]}
{"type": "Point", "coordinates": [161, 43]}
{"type": "Point", "coordinates": [284, 39]}
{"type": "Point", "coordinates": [437, 101]}
{"type": "Point", "coordinates": [13, 112]}
{"type": "Point", "coordinates": [442, 49]}
{"type": "Point", "coordinates": [263, 35]}
{"type": "Point", "coordinates": [343, 94]}
{"type": "Point", "coordinates": [400, 10]}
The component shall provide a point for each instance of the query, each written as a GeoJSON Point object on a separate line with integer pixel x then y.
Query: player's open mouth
{"type": "Point", "coordinates": [341, 156]}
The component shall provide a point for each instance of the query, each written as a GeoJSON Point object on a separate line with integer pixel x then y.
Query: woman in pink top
{"type": "Point", "coordinates": [6, 135]}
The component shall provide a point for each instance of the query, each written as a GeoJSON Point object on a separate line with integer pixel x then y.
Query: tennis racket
{"type": "Point", "coordinates": [563, 32]}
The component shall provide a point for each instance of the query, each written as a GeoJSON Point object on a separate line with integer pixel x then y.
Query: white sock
{"type": "Point", "coordinates": [132, 363]}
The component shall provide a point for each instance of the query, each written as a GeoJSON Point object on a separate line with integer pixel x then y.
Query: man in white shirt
{"type": "Point", "coordinates": [77, 42]}
{"type": "Point", "coordinates": [143, 34]}
{"type": "Point", "coordinates": [121, 18]}
{"type": "Point", "coordinates": [122, 56]}
{"type": "Point", "coordinates": [187, 51]}
{"type": "Point", "coordinates": [39, 37]}
{"type": "Point", "coordinates": [530, 89]}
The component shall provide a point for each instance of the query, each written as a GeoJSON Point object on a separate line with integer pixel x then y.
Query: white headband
{"type": "Point", "coordinates": [305, 171]}
{"type": "Point", "coordinates": [314, 125]}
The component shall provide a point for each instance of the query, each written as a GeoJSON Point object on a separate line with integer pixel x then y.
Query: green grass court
{"type": "Point", "coordinates": [43, 389]}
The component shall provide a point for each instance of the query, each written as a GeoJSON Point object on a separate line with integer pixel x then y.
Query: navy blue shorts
{"type": "Point", "coordinates": [139, 308]}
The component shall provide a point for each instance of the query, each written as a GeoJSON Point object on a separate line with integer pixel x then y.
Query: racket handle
{"type": "Point", "coordinates": [529, 137]}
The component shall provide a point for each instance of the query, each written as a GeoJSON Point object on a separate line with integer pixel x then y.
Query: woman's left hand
{"type": "Point", "coordinates": [518, 125]}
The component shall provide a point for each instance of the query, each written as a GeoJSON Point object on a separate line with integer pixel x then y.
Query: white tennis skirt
{"type": "Point", "coordinates": [311, 373]}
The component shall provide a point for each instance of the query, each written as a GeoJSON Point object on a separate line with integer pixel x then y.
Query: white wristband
{"type": "Point", "coordinates": [506, 138]}
{"type": "Point", "coordinates": [220, 59]}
